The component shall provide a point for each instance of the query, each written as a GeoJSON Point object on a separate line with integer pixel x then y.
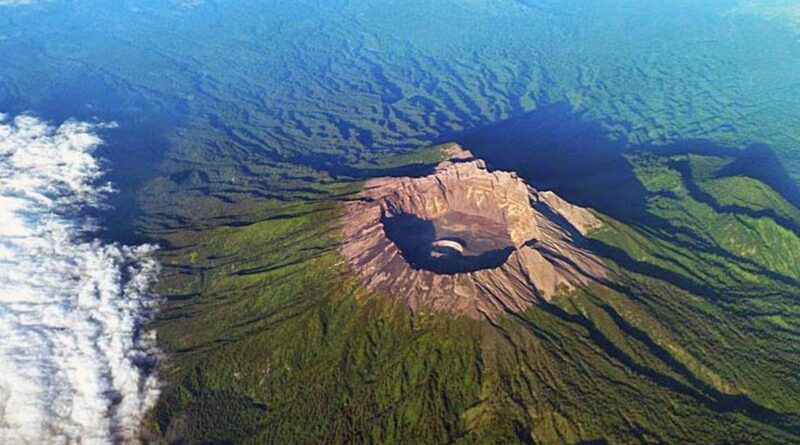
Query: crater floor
{"type": "Point", "coordinates": [453, 243]}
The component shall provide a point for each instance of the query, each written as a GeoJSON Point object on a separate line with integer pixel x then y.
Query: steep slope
{"type": "Point", "coordinates": [466, 240]}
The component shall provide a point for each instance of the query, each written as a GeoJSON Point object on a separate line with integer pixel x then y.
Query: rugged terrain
{"type": "Point", "coordinates": [243, 129]}
{"type": "Point", "coordinates": [273, 339]}
{"type": "Point", "coordinates": [467, 240]}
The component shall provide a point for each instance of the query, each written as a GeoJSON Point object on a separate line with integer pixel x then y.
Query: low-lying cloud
{"type": "Point", "coordinates": [74, 360]}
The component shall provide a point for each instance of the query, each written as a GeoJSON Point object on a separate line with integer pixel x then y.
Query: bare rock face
{"type": "Point", "coordinates": [466, 240]}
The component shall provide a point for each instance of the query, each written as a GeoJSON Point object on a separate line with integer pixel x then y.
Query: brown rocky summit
{"type": "Point", "coordinates": [466, 240]}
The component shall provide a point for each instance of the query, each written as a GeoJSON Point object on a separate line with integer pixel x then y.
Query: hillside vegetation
{"type": "Point", "coordinates": [695, 340]}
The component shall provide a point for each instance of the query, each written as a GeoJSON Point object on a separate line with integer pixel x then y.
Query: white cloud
{"type": "Point", "coordinates": [71, 307]}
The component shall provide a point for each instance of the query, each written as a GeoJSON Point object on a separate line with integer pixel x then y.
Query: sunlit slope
{"type": "Point", "coordinates": [694, 342]}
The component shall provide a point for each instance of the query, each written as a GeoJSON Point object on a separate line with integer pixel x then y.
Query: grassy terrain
{"type": "Point", "coordinates": [694, 342]}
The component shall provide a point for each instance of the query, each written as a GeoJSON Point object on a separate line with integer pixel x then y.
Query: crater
{"type": "Point", "coordinates": [467, 240]}
{"type": "Point", "coordinates": [453, 243]}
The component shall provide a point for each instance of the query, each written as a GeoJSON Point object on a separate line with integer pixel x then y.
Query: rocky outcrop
{"type": "Point", "coordinates": [467, 240]}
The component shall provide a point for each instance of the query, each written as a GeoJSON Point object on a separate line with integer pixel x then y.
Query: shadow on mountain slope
{"type": "Point", "coordinates": [555, 148]}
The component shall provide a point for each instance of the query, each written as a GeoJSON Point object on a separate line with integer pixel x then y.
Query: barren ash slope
{"type": "Point", "coordinates": [466, 240]}
{"type": "Point", "coordinates": [464, 305]}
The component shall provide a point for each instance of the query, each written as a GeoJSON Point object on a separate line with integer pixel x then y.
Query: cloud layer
{"type": "Point", "coordinates": [71, 307]}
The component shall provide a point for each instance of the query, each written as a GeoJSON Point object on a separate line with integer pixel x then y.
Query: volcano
{"type": "Point", "coordinates": [467, 240]}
